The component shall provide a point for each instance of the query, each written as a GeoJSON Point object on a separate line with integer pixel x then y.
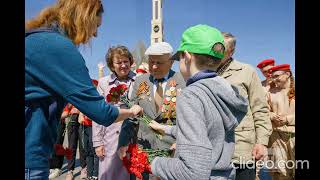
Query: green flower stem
{"type": "Point", "coordinates": [153, 153]}
{"type": "Point", "coordinates": [145, 119]}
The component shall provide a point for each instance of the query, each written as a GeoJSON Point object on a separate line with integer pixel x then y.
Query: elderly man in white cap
{"type": "Point", "coordinates": [156, 94]}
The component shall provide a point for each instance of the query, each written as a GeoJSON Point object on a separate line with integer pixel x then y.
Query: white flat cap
{"type": "Point", "coordinates": [160, 48]}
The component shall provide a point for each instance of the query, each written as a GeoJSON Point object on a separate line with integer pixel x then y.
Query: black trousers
{"type": "Point", "coordinates": [92, 159]}
{"type": "Point", "coordinates": [57, 161]}
{"type": "Point", "coordinates": [245, 172]}
{"type": "Point", "coordinates": [73, 138]}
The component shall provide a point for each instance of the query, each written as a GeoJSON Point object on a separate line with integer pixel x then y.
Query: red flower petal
{"type": "Point", "coordinates": [60, 151]}
{"type": "Point", "coordinates": [121, 89]}
{"type": "Point", "coordinates": [112, 90]}
{"type": "Point", "coordinates": [68, 153]}
{"type": "Point", "coordinates": [136, 161]}
{"type": "Point", "coordinates": [148, 169]}
{"type": "Point", "coordinates": [109, 98]}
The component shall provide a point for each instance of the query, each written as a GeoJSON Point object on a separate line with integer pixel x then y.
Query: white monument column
{"type": "Point", "coordinates": [156, 22]}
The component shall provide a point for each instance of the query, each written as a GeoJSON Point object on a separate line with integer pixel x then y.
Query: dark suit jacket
{"type": "Point", "coordinates": [143, 134]}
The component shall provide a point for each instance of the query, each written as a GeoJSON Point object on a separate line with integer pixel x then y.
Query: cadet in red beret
{"type": "Point", "coordinates": [281, 67]}
{"type": "Point", "coordinates": [281, 101]}
{"type": "Point", "coordinates": [265, 63]}
{"type": "Point", "coordinates": [264, 67]}
{"type": "Point", "coordinates": [280, 75]}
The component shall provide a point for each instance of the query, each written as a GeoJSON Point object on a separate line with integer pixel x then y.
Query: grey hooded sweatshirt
{"type": "Point", "coordinates": [208, 111]}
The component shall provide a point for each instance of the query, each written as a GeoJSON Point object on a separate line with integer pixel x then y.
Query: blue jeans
{"type": "Point", "coordinates": [36, 174]}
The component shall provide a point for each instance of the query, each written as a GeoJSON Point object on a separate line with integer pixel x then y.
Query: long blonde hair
{"type": "Point", "coordinates": [78, 18]}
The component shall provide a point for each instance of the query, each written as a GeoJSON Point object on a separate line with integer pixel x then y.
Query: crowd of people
{"type": "Point", "coordinates": [215, 114]}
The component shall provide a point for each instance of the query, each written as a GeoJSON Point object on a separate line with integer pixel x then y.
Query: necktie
{"type": "Point", "coordinates": [158, 97]}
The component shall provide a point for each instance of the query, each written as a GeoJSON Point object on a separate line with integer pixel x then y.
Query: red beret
{"type": "Point", "coordinates": [265, 62]}
{"type": "Point", "coordinates": [281, 67]}
{"type": "Point", "coordinates": [95, 82]}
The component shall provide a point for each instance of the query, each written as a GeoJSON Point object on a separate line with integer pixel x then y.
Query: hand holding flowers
{"type": "Point", "coordinates": [114, 97]}
{"type": "Point", "coordinates": [137, 160]}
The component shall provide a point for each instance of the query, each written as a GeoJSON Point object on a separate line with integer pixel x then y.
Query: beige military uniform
{"type": "Point", "coordinates": [256, 127]}
{"type": "Point", "coordinates": [282, 139]}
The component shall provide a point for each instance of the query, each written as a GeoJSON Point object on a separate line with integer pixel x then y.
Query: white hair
{"type": "Point", "coordinates": [231, 40]}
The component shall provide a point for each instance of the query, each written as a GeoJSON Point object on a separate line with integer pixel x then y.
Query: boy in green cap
{"type": "Point", "coordinates": [208, 110]}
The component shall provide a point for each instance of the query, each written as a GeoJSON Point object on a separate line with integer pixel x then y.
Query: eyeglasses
{"type": "Point", "coordinates": [276, 76]}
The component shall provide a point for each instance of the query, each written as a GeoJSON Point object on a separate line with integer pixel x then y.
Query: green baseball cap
{"type": "Point", "coordinates": [202, 39]}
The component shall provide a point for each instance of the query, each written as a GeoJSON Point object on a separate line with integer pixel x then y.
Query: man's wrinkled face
{"type": "Point", "coordinates": [159, 65]}
{"type": "Point", "coordinates": [265, 70]}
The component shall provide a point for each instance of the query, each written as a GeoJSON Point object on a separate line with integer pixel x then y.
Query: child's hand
{"type": "Point", "coordinates": [100, 151]}
{"type": "Point", "coordinates": [275, 118]}
{"type": "Point", "coordinates": [122, 152]}
{"type": "Point", "coordinates": [173, 146]}
{"type": "Point", "coordinates": [283, 120]}
{"type": "Point", "coordinates": [279, 120]}
{"type": "Point", "coordinates": [80, 118]}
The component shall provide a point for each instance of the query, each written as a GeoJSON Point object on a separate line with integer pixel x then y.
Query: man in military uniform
{"type": "Point", "coordinates": [155, 92]}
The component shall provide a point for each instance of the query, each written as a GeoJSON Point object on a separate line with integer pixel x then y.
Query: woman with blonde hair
{"type": "Point", "coordinates": [55, 73]}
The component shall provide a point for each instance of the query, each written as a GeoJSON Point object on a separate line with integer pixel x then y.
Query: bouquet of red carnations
{"type": "Point", "coordinates": [61, 151]}
{"type": "Point", "coordinates": [119, 93]}
{"type": "Point", "coordinates": [116, 92]}
{"type": "Point", "coordinates": [138, 160]}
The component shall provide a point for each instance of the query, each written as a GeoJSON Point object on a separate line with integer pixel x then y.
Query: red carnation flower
{"type": "Point", "coordinates": [109, 98]}
{"type": "Point", "coordinates": [148, 169]}
{"type": "Point", "coordinates": [136, 161]}
{"type": "Point", "coordinates": [68, 153]}
{"type": "Point", "coordinates": [116, 92]}
{"type": "Point", "coordinates": [112, 90]}
{"type": "Point", "coordinates": [121, 88]}
{"type": "Point", "coordinates": [60, 151]}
